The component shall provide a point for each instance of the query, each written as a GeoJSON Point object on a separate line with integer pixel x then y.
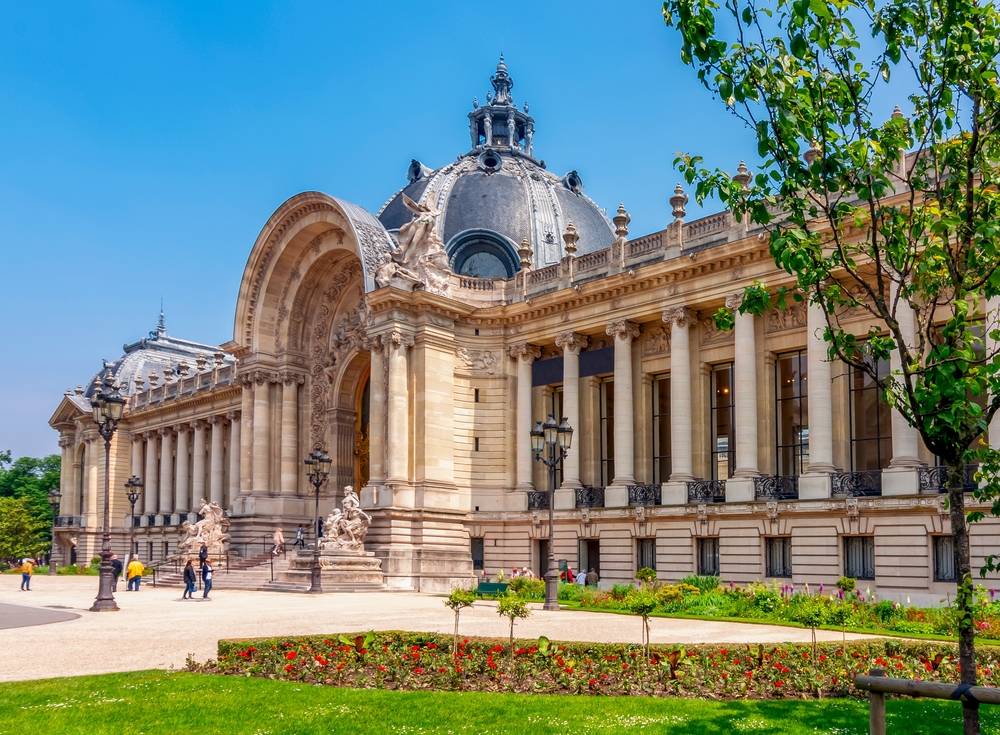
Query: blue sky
{"type": "Point", "coordinates": [143, 145]}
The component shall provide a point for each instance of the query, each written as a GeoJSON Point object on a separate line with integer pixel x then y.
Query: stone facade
{"type": "Point", "coordinates": [695, 450]}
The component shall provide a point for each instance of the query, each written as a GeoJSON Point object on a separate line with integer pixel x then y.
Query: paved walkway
{"type": "Point", "coordinates": [156, 629]}
{"type": "Point", "coordinates": [22, 616]}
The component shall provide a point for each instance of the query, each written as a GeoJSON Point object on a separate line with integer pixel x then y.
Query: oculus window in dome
{"type": "Point", "coordinates": [482, 254]}
{"type": "Point", "coordinates": [499, 193]}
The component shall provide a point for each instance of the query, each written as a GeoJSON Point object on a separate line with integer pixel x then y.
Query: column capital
{"type": "Point", "coordinates": [524, 351]}
{"type": "Point", "coordinates": [233, 415]}
{"type": "Point", "coordinates": [734, 300]}
{"type": "Point", "coordinates": [67, 441]}
{"type": "Point", "coordinates": [182, 428]}
{"type": "Point", "coordinates": [291, 378]}
{"type": "Point", "coordinates": [680, 315]}
{"type": "Point", "coordinates": [623, 329]}
{"type": "Point", "coordinates": [399, 339]}
{"type": "Point", "coordinates": [373, 343]}
{"type": "Point", "coordinates": [199, 424]}
{"type": "Point", "coordinates": [571, 342]}
{"type": "Point", "coordinates": [166, 431]}
{"type": "Point", "coordinates": [260, 377]}
{"type": "Point", "coordinates": [217, 419]}
{"type": "Point", "coordinates": [152, 434]}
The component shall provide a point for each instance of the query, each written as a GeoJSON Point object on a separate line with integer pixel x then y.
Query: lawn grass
{"type": "Point", "coordinates": [153, 702]}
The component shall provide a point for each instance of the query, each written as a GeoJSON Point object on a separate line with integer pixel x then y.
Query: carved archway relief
{"type": "Point", "coordinates": [299, 233]}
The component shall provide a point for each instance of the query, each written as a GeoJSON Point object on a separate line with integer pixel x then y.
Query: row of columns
{"type": "Point", "coordinates": [255, 458]}
{"type": "Point", "coordinates": [389, 451]}
{"type": "Point", "coordinates": [170, 484]}
{"type": "Point", "coordinates": [680, 320]}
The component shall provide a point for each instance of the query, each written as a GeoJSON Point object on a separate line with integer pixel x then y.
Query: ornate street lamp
{"type": "Point", "coordinates": [557, 440]}
{"type": "Point", "coordinates": [318, 464]}
{"type": "Point", "coordinates": [55, 498]}
{"type": "Point", "coordinates": [109, 407]}
{"type": "Point", "coordinates": [133, 487]}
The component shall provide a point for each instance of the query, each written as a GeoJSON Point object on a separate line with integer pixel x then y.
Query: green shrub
{"type": "Point", "coordinates": [570, 592]}
{"type": "Point", "coordinates": [887, 612]}
{"type": "Point", "coordinates": [705, 584]}
{"type": "Point", "coordinates": [620, 591]}
{"type": "Point", "coordinates": [646, 575]}
{"type": "Point", "coordinates": [846, 584]}
{"type": "Point", "coordinates": [529, 588]}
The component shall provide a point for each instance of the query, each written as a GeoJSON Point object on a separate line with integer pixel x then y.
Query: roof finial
{"type": "Point", "coordinates": [161, 327]}
{"type": "Point", "coordinates": [502, 83]}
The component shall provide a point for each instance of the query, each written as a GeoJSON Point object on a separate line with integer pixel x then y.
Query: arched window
{"type": "Point", "coordinates": [482, 254]}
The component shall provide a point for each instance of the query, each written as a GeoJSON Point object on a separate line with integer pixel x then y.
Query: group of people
{"type": "Point", "coordinates": [191, 578]}
{"type": "Point", "coordinates": [581, 578]}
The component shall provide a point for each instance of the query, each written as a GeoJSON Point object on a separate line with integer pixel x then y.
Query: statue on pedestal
{"type": "Point", "coordinates": [421, 253]}
{"type": "Point", "coordinates": [211, 530]}
{"type": "Point", "coordinates": [346, 529]}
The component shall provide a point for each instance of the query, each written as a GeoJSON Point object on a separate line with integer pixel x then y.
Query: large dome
{"type": "Point", "coordinates": [498, 195]}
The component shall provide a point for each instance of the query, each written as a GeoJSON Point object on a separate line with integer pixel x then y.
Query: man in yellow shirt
{"type": "Point", "coordinates": [26, 569]}
{"type": "Point", "coordinates": [134, 574]}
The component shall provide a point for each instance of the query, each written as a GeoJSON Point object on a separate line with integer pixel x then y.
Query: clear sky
{"type": "Point", "coordinates": [143, 145]}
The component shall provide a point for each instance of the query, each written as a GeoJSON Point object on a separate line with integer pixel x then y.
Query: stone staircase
{"type": "Point", "coordinates": [243, 574]}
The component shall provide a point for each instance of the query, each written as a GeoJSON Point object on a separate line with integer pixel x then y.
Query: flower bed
{"type": "Point", "coordinates": [423, 661]}
{"type": "Point", "coordinates": [785, 604]}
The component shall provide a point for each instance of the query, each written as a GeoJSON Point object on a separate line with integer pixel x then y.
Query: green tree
{"type": "Point", "coordinates": [459, 598]}
{"type": "Point", "coordinates": [512, 607]}
{"type": "Point", "coordinates": [21, 532]}
{"type": "Point", "coordinates": [909, 240]}
{"type": "Point", "coordinates": [31, 479]}
{"type": "Point", "coordinates": [642, 602]}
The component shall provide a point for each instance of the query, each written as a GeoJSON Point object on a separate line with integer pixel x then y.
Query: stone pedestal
{"type": "Point", "coordinates": [739, 490]}
{"type": "Point", "coordinates": [341, 570]}
{"type": "Point", "coordinates": [814, 486]}
{"type": "Point", "coordinates": [674, 493]}
{"type": "Point", "coordinates": [900, 481]}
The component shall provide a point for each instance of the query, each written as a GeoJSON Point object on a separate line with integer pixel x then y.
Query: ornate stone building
{"type": "Point", "coordinates": [419, 346]}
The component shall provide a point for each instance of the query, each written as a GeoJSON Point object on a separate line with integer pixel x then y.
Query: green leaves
{"type": "Point", "coordinates": [22, 532]}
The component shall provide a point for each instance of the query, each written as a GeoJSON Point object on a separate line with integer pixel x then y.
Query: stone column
{"type": "Point", "coordinates": [399, 411]}
{"type": "Point", "coordinates": [246, 437]}
{"type": "Point", "coordinates": [525, 354]}
{"type": "Point", "coordinates": [92, 494]}
{"type": "Point", "coordinates": [680, 319]}
{"type": "Point", "coordinates": [740, 487]}
{"type": "Point", "coordinates": [261, 433]}
{"type": "Point", "coordinates": [182, 494]}
{"type": "Point", "coordinates": [235, 454]}
{"type": "Point", "coordinates": [900, 478]}
{"type": "Point", "coordinates": [166, 470]}
{"type": "Point", "coordinates": [624, 332]}
{"type": "Point", "coordinates": [198, 463]}
{"type": "Point", "coordinates": [150, 501]}
{"type": "Point", "coordinates": [571, 344]}
{"type": "Point", "coordinates": [66, 475]}
{"type": "Point", "coordinates": [376, 415]}
{"type": "Point", "coordinates": [216, 465]}
{"type": "Point", "coordinates": [135, 467]}
{"type": "Point", "coordinates": [290, 433]}
{"type": "Point", "coordinates": [815, 483]}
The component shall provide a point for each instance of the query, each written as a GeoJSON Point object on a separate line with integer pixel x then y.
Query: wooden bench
{"type": "Point", "coordinates": [491, 588]}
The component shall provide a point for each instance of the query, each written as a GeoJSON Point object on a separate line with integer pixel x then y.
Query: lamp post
{"type": "Point", "coordinates": [55, 497]}
{"type": "Point", "coordinates": [108, 407]}
{"type": "Point", "coordinates": [318, 465]}
{"type": "Point", "coordinates": [133, 486]}
{"type": "Point", "coordinates": [555, 439]}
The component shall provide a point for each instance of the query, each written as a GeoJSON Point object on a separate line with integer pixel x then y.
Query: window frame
{"type": "Point", "coordinates": [770, 566]}
{"type": "Point", "coordinates": [800, 448]}
{"type": "Point", "coordinates": [606, 422]}
{"type": "Point", "coordinates": [655, 439]}
{"type": "Point", "coordinates": [936, 540]}
{"type": "Point", "coordinates": [640, 553]}
{"type": "Point", "coordinates": [714, 409]}
{"type": "Point", "coordinates": [700, 553]}
{"type": "Point", "coordinates": [472, 550]}
{"type": "Point", "coordinates": [879, 438]}
{"type": "Point", "coordinates": [866, 540]}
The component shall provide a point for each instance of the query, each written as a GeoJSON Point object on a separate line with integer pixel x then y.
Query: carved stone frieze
{"type": "Point", "coordinates": [478, 360]}
{"type": "Point", "coordinates": [657, 342]}
{"type": "Point", "coordinates": [794, 317]}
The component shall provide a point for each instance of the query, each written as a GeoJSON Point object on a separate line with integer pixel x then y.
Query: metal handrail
{"type": "Point", "coordinates": [934, 480]}
{"type": "Point", "coordinates": [866, 483]}
{"type": "Point", "coordinates": [644, 494]}
{"type": "Point", "coordinates": [589, 497]}
{"type": "Point", "coordinates": [781, 487]}
{"type": "Point", "coordinates": [538, 500]}
{"type": "Point", "coordinates": [706, 491]}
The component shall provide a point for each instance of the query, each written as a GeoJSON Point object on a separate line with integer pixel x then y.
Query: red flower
{"type": "Point", "coordinates": [418, 671]}
{"type": "Point", "coordinates": [624, 667]}
{"type": "Point", "coordinates": [724, 652]}
{"type": "Point", "coordinates": [778, 684]}
{"type": "Point", "coordinates": [289, 667]}
{"type": "Point", "coordinates": [458, 669]}
{"type": "Point", "coordinates": [251, 649]}
{"type": "Point", "coordinates": [442, 669]}
{"type": "Point", "coordinates": [822, 657]}
{"type": "Point", "coordinates": [725, 675]}
{"type": "Point", "coordinates": [381, 668]}
{"type": "Point", "coordinates": [592, 682]}
{"type": "Point", "coordinates": [290, 655]}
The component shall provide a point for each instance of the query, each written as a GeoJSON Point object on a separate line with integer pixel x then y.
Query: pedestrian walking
{"type": "Point", "coordinates": [116, 571]}
{"type": "Point", "coordinates": [27, 568]}
{"type": "Point", "coordinates": [189, 580]}
{"type": "Point", "coordinates": [319, 528]}
{"type": "Point", "coordinates": [279, 542]}
{"type": "Point", "coordinates": [581, 578]}
{"type": "Point", "coordinates": [206, 577]}
{"type": "Point", "coordinates": [592, 578]}
{"type": "Point", "coordinates": [299, 538]}
{"type": "Point", "coordinates": [133, 575]}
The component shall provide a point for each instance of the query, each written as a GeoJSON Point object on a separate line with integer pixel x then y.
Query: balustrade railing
{"type": "Point", "coordinates": [538, 500]}
{"type": "Point", "coordinates": [644, 494]}
{"type": "Point", "coordinates": [707, 225]}
{"type": "Point", "coordinates": [776, 488]}
{"type": "Point", "coordinates": [590, 497]}
{"type": "Point", "coordinates": [591, 260]}
{"type": "Point", "coordinates": [543, 275]}
{"type": "Point", "coordinates": [477, 284]}
{"type": "Point", "coordinates": [934, 480]}
{"type": "Point", "coordinates": [645, 244]}
{"type": "Point", "coordinates": [706, 491]}
{"type": "Point", "coordinates": [856, 484]}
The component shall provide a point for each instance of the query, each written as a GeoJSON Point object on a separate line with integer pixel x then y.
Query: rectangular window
{"type": "Point", "coordinates": [661, 429]}
{"type": "Point", "coordinates": [792, 414]}
{"type": "Point", "coordinates": [723, 422]}
{"type": "Point", "coordinates": [645, 549]}
{"type": "Point", "coordinates": [944, 559]}
{"type": "Point", "coordinates": [778, 552]}
{"type": "Point", "coordinates": [607, 432]}
{"type": "Point", "coordinates": [871, 425]}
{"type": "Point", "coordinates": [708, 556]}
{"type": "Point", "coordinates": [859, 557]}
{"type": "Point", "coordinates": [478, 554]}
{"type": "Point", "coordinates": [477, 443]}
{"type": "Point", "coordinates": [475, 395]}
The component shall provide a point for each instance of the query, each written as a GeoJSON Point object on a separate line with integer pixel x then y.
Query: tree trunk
{"type": "Point", "coordinates": [965, 594]}
{"type": "Point", "coordinates": [454, 643]}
